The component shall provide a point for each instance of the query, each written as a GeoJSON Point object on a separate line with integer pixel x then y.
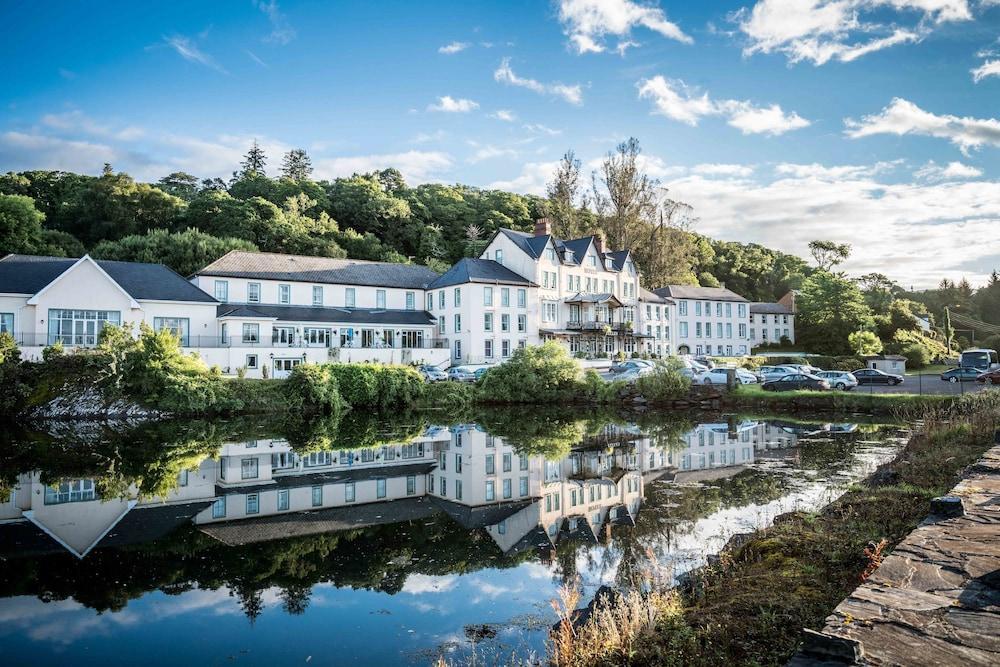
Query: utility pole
{"type": "Point", "coordinates": [947, 329]}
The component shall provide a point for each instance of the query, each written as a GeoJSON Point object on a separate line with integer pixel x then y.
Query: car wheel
{"type": "Point", "coordinates": [706, 381]}
{"type": "Point", "coordinates": [841, 386]}
{"type": "Point", "coordinates": [953, 380]}
{"type": "Point", "coordinates": [896, 382]}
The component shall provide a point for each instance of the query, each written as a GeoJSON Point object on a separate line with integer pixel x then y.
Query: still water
{"type": "Point", "coordinates": [376, 541]}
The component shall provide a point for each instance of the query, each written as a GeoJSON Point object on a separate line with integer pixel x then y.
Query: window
{"type": "Point", "coordinates": [411, 484]}
{"type": "Point", "coordinates": [380, 298]}
{"type": "Point", "coordinates": [487, 296]}
{"type": "Point", "coordinates": [411, 301]}
{"type": "Point", "coordinates": [729, 330]}
{"type": "Point", "coordinates": [697, 307]}
{"type": "Point", "coordinates": [441, 325]}
{"type": "Point", "coordinates": [430, 301]}
{"type": "Point", "coordinates": [253, 292]}
{"type": "Point", "coordinates": [349, 297]}
{"type": "Point", "coordinates": [741, 309]}
{"type": "Point", "coordinates": [70, 491]}
{"type": "Point", "coordinates": [458, 349]}
{"type": "Point", "coordinates": [491, 464]}
{"type": "Point", "coordinates": [458, 489]}
{"type": "Point", "coordinates": [444, 487]}
{"type": "Point", "coordinates": [219, 508]}
{"type": "Point", "coordinates": [222, 290]}
{"type": "Point", "coordinates": [182, 479]}
{"type": "Point", "coordinates": [505, 297]}
{"type": "Point", "coordinates": [349, 492]}
{"type": "Point", "coordinates": [522, 323]}
{"type": "Point", "coordinates": [490, 490]}
{"type": "Point", "coordinates": [458, 323]}
{"type": "Point", "coordinates": [507, 458]}
{"type": "Point", "coordinates": [507, 489]}
{"type": "Point", "coordinates": [317, 337]}
{"type": "Point", "coordinates": [253, 503]}
{"type": "Point", "coordinates": [251, 361]}
{"type": "Point", "coordinates": [412, 340]}
{"type": "Point", "coordinates": [430, 483]}
{"type": "Point", "coordinates": [284, 293]}
{"type": "Point", "coordinates": [718, 309]}
{"type": "Point", "coordinates": [550, 254]}
{"type": "Point", "coordinates": [248, 468]}
{"type": "Point", "coordinates": [697, 330]}
{"type": "Point", "coordinates": [456, 297]}
{"type": "Point", "coordinates": [317, 295]}
{"type": "Point", "coordinates": [504, 322]}
{"type": "Point", "coordinates": [498, 255]}
{"type": "Point", "coordinates": [79, 327]}
{"type": "Point", "coordinates": [729, 310]}
{"type": "Point", "coordinates": [549, 313]}
{"type": "Point", "coordinates": [441, 299]}
{"type": "Point", "coordinates": [317, 495]}
{"type": "Point", "coordinates": [718, 329]}
{"type": "Point", "coordinates": [282, 500]}
{"type": "Point", "coordinates": [178, 326]}
{"type": "Point", "coordinates": [682, 308]}
{"type": "Point", "coordinates": [380, 488]}
{"type": "Point", "coordinates": [523, 462]}
{"type": "Point", "coordinates": [742, 329]}
{"type": "Point", "coordinates": [522, 298]}
{"type": "Point", "coordinates": [505, 348]}
{"type": "Point", "coordinates": [487, 321]}
{"type": "Point", "coordinates": [458, 462]}
{"type": "Point", "coordinates": [523, 487]}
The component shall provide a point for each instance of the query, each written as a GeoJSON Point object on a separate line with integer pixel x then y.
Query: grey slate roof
{"type": "Point", "coordinates": [331, 315]}
{"type": "Point", "coordinates": [769, 308]}
{"type": "Point", "coordinates": [151, 522]}
{"type": "Point", "coordinates": [470, 270]}
{"type": "Point", "coordinates": [482, 515]}
{"type": "Point", "coordinates": [332, 477]}
{"type": "Point", "coordinates": [699, 293]}
{"type": "Point", "coordinates": [274, 266]}
{"type": "Point", "coordinates": [618, 258]}
{"type": "Point", "coordinates": [532, 245]}
{"type": "Point", "coordinates": [29, 274]}
{"type": "Point", "coordinates": [652, 297]}
{"type": "Point", "coordinates": [586, 297]}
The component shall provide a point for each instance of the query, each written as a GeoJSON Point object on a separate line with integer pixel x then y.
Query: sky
{"type": "Point", "coordinates": [870, 122]}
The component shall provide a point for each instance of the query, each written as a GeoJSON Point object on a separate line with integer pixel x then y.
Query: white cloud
{"type": "Point", "coordinates": [188, 50]}
{"type": "Point", "coordinates": [428, 137]}
{"type": "Point", "coordinates": [677, 101]}
{"type": "Point", "coordinates": [417, 584]}
{"type": "Point", "coordinates": [453, 48]}
{"type": "Point", "coordinates": [488, 152]}
{"type": "Point", "coordinates": [572, 94]}
{"type": "Point", "coordinates": [904, 117]}
{"type": "Point", "coordinates": [921, 230]}
{"type": "Point", "coordinates": [953, 171]}
{"type": "Point", "coordinates": [281, 31]}
{"type": "Point", "coordinates": [449, 104]}
{"type": "Point", "coordinates": [588, 22]}
{"type": "Point", "coordinates": [416, 166]}
{"type": "Point", "coordinates": [505, 115]}
{"type": "Point", "coordinates": [824, 30]}
{"type": "Point", "coordinates": [538, 128]}
{"type": "Point", "coordinates": [531, 181]}
{"type": "Point", "coordinates": [254, 57]}
{"type": "Point", "coordinates": [740, 170]}
{"type": "Point", "coordinates": [77, 121]}
{"type": "Point", "coordinates": [988, 68]}
{"type": "Point", "coordinates": [20, 151]}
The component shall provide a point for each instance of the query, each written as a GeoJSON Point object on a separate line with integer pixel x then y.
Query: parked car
{"type": "Point", "coordinates": [480, 372]}
{"type": "Point", "coordinates": [720, 376]}
{"type": "Point", "coordinates": [432, 374]}
{"type": "Point", "coordinates": [839, 379]}
{"type": "Point", "coordinates": [806, 368]}
{"type": "Point", "coordinates": [961, 374]}
{"type": "Point", "coordinates": [622, 366]}
{"type": "Point", "coordinates": [875, 376]}
{"type": "Point", "coordinates": [993, 377]}
{"type": "Point", "coordinates": [766, 373]}
{"type": "Point", "coordinates": [797, 381]}
{"type": "Point", "coordinates": [461, 374]}
{"type": "Point", "coordinates": [705, 361]}
{"type": "Point", "coordinates": [633, 374]}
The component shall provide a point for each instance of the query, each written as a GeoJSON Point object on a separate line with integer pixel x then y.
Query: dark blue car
{"type": "Point", "coordinates": [961, 374]}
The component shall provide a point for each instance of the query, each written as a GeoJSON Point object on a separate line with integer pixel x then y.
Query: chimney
{"type": "Point", "coordinates": [543, 227]}
{"type": "Point", "coordinates": [599, 241]}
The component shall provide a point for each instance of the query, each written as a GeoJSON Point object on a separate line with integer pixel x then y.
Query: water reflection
{"type": "Point", "coordinates": [424, 533]}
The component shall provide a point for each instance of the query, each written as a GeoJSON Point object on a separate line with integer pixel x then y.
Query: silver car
{"type": "Point", "coordinates": [842, 380]}
{"type": "Point", "coordinates": [461, 374]}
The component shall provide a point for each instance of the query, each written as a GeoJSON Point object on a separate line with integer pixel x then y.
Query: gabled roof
{"type": "Point", "coordinates": [770, 308]}
{"type": "Point", "coordinates": [579, 247]}
{"type": "Point", "coordinates": [618, 258]}
{"type": "Point", "coordinates": [328, 270]}
{"type": "Point", "coordinates": [469, 270]}
{"type": "Point", "coordinates": [584, 297]}
{"type": "Point", "coordinates": [652, 297]}
{"type": "Point", "coordinates": [30, 274]}
{"type": "Point", "coordinates": [531, 245]}
{"type": "Point", "coordinates": [695, 292]}
{"type": "Point", "coordinates": [331, 315]}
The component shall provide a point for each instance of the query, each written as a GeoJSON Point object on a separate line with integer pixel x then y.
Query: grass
{"type": "Point", "coordinates": [753, 397]}
{"type": "Point", "coordinates": [751, 606]}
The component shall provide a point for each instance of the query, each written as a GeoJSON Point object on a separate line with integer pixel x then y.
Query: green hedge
{"type": "Point", "coordinates": [377, 385]}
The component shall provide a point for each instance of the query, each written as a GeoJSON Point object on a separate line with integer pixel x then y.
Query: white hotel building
{"type": "Point", "coordinates": [264, 313]}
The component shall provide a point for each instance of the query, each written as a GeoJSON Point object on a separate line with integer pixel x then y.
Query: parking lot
{"type": "Point", "coordinates": [925, 384]}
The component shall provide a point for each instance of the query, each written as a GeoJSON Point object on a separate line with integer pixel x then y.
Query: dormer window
{"type": "Point", "coordinates": [568, 255]}
{"type": "Point", "coordinates": [608, 263]}
{"type": "Point", "coordinates": [550, 254]}
{"type": "Point", "coordinates": [498, 256]}
{"type": "Point", "coordinates": [592, 261]}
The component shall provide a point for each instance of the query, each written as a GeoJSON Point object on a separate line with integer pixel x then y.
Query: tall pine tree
{"type": "Point", "coordinates": [296, 165]}
{"type": "Point", "coordinates": [253, 162]}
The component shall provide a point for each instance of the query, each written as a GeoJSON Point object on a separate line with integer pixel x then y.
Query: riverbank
{"type": "Point", "coordinates": [750, 606]}
{"type": "Point", "coordinates": [753, 398]}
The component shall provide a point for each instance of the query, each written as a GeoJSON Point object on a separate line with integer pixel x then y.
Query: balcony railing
{"type": "Point", "coordinates": [42, 340]}
{"type": "Point", "coordinates": [599, 325]}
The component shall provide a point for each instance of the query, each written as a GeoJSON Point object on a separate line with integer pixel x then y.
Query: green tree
{"type": "Point", "coordinates": [179, 184]}
{"type": "Point", "coordinates": [863, 343]}
{"type": "Point", "coordinates": [296, 165]}
{"type": "Point", "coordinates": [20, 225]}
{"type": "Point", "coordinates": [830, 308]}
{"type": "Point", "coordinates": [828, 254]}
{"type": "Point", "coordinates": [185, 252]}
{"type": "Point", "coordinates": [566, 198]}
{"type": "Point", "coordinates": [253, 162]}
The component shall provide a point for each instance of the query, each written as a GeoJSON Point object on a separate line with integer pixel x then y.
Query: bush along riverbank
{"type": "Point", "coordinates": [750, 606]}
{"type": "Point", "coordinates": [148, 376]}
{"type": "Point", "coordinates": [752, 398]}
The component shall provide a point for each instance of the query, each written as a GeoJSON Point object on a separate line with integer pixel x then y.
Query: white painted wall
{"type": "Point", "coordinates": [734, 320]}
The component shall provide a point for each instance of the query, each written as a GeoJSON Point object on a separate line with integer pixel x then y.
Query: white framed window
{"type": "Point", "coordinates": [248, 468]}
{"type": "Point", "coordinates": [350, 297]}
{"type": "Point", "coordinates": [253, 292]}
{"type": "Point", "coordinates": [430, 301]}
{"type": "Point", "coordinates": [505, 322]}
{"type": "Point", "coordinates": [487, 321]}
{"type": "Point", "coordinates": [317, 496]}
{"type": "Point", "coordinates": [441, 325]}
{"type": "Point", "coordinates": [505, 348]}
{"type": "Point", "coordinates": [317, 295]}
{"type": "Point", "coordinates": [456, 296]}
{"type": "Point", "coordinates": [458, 489]}
{"type": "Point", "coordinates": [411, 485]}
{"type": "Point", "coordinates": [444, 487]}
{"type": "Point", "coordinates": [284, 294]}
{"type": "Point", "coordinates": [219, 508]}
{"type": "Point", "coordinates": [253, 503]}
{"type": "Point", "coordinates": [523, 487]}
{"type": "Point", "coordinates": [488, 348]}
{"type": "Point", "coordinates": [458, 349]}
{"type": "Point", "coordinates": [380, 298]}
{"type": "Point", "coordinates": [349, 492]}
{"type": "Point", "coordinates": [380, 487]}
{"type": "Point", "coordinates": [458, 323]}
{"type": "Point", "coordinates": [441, 299]}
{"type": "Point", "coordinates": [491, 490]}
{"type": "Point", "coordinates": [411, 301]}
{"type": "Point", "coordinates": [222, 290]}
{"type": "Point", "coordinates": [522, 298]}
{"type": "Point", "coordinates": [178, 326]}
{"type": "Point", "coordinates": [487, 296]}
{"type": "Point", "coordinates": [498, 255]}
{"type": "Point", "coordinates": [682, 308]}
{"type": "Point", "coordinates": [522, 323]}
{"type": "Point", "coordinates": [507, 493]}
{"type": "Point", "coordinates": [282, 500]}
{"type": "Point", "coordinates": [504, 297]}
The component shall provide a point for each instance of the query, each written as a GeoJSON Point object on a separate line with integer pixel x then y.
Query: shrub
{"type": "Point", "coordinates": [596, 389]}
{"type": "Point", "coordinates": [917, 356]}
{"type": "Point", "coordinates": [358, 383]}
{"type": "Point", "coordinates": [398, 386]}
{"type": "Point", "coordinates": [378, 385]}
{"type": "Point", "coordinates": [49, 352]}
{"type": "Point", "coordinates": [13, 390]}
{"type": "Point", "coordinates": [537, 373]}
{"type": "Point", "coordinates": [312, 388]}
{"type": "Point", "coordinates": [665, 383]}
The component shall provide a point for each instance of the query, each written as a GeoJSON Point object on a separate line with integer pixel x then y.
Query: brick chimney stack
{"type": "Point", "coordinates": [543, 227]}
{"type": "Point", "coordinates": [599, 241]}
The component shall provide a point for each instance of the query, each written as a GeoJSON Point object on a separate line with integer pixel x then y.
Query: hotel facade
{"type": "Point", "coordinates": [262, 314]}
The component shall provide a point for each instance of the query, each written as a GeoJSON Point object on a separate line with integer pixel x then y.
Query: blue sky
{"type": "Point", "coordinates": [866, 121]}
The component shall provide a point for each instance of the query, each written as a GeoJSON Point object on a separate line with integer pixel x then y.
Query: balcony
{"type": "Point", "coordinates": [599, 326]}
{"type": "Point", "coordinates": [206, 341]}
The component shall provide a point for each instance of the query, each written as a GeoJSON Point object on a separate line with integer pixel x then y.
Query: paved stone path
{"type": "Point", "coordinates": [936, 599]}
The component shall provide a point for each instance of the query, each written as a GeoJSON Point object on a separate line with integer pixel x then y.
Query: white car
{"type": "Point", "coordinates": [769, 373]}
{"type": "Point", "coordinates": [633, 374]}
{"type": "Point", "coordinates": [719, 376]}
{"type": "Point", "coordinates": [842, 380]}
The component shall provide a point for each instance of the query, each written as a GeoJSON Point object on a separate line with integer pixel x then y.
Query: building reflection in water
{"type": "Point", "coordinates": [262, 490]}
